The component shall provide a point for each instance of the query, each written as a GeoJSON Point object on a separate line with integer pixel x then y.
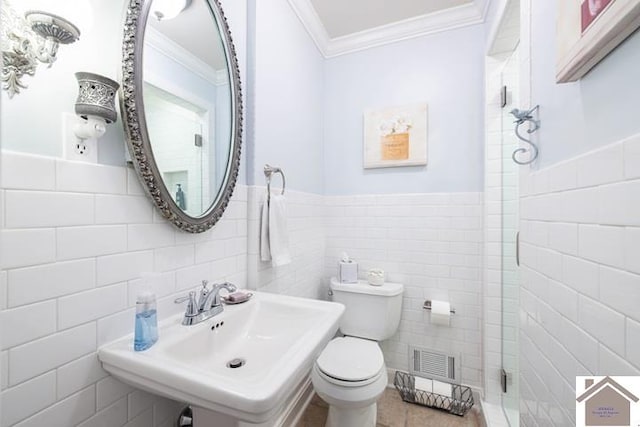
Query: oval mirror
{"type": "Point", "coordinates": [182, 108]}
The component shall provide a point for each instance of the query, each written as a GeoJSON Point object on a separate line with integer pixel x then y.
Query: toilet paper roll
{"type": "Point", "coordinates": [440, 313]}
{"type": "Point", "coordinates": [423, 384]}
{"type": "Point", "coordinates": [443, 389]}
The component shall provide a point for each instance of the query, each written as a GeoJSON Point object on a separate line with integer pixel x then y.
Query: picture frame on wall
{"type": "Point", "coordinates": [395, 136]}
{"type": "Point", "coordinates": [588, 30]}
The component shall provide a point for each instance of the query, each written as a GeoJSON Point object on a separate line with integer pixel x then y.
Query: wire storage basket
{"type": "Point", "coordinates": [459, 403]}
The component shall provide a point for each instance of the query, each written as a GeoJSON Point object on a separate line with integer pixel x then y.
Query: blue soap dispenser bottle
{"type": "Point", "coordinates": [146, 332]}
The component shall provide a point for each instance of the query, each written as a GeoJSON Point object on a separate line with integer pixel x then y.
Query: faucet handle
{"type": "Point", "coordinates": [192, 308]}
{"type": "Point", "coordinates": [204, 292]}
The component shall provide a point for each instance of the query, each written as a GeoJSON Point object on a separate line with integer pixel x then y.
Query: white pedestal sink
{"type": "Point", "coordinates": [275, 338]}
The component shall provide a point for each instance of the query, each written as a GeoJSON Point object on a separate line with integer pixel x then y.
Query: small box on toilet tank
{"type": "Point", "coordinates": [347, 270]}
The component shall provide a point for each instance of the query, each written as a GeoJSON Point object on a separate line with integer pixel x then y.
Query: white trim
{"type": "Point", "coordinates": [494, 30]}
{"type": "Point", "coordinates": [312, 23]}
{"type": "Point", "coordinates": [222, 77]}
{"type": "Point", "coordinates": [180, 55]}
{"type": "Point", "coordinates": [609, 30]}
{"type": "Point", "coordinates": [448, 19]}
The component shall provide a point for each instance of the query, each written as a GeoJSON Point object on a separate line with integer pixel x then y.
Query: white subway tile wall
{"type": "Point", "coordinates": [580, 278]}
{"type": "Point", "coordinates": [431, 243]}
{"type": "Point", "coordinates": [305, 222]}
{"type": "Point", "coordinates": [76, 241]}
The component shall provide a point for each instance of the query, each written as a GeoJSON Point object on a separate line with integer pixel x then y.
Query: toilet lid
{"type": "Point", "coordinates": [351, 359]}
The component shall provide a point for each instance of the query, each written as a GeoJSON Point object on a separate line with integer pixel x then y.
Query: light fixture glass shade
{"type": "Point", "coordinates": [96, 96]}
{"type": "Point", "coordinates": [167, 9]}
{"type": "Point", "coordinates": [49, 26]}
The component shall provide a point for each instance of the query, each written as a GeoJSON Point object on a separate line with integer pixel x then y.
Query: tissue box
{"type": "Point", "coordinates": [348, 272]}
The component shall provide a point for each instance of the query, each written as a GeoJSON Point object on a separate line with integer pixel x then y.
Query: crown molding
{"type": "Point", "coordinates": [311, 22]}
{"type": "Point", "coordinates": [178, 54]}
{"type": "Point", "coordinates": [447, 19]}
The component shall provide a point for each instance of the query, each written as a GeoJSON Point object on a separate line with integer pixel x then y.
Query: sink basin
{"type": "Point", "coordinates": [274, 338]}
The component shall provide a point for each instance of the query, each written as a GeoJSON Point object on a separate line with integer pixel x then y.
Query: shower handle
{"type": "Point", "coordinates": [518, 249]}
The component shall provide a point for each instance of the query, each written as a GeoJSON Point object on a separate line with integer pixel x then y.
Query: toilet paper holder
{"type": "Point", "coordinates": [427, 306]}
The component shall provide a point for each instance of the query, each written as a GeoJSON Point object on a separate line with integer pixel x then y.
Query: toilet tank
{"type": "Point", "coordinates": [371, 312]}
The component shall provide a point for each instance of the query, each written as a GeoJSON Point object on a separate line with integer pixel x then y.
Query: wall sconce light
{"type": "Point", "coordinates": [164, 10]}
{"type": "Point", "coordinates": [95, 105]}
{"type": "Point", "coordinates": [28, 40]}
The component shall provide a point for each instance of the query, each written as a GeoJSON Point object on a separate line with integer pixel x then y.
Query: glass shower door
{"type": "Point", "coordinates": [509, 269]}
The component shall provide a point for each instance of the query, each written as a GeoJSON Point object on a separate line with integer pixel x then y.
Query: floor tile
{"type": "Point", "coordinates": [394, 412]}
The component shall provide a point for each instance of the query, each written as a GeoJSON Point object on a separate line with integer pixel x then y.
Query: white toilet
{"type": "Point", "coordinates": [350, 374]}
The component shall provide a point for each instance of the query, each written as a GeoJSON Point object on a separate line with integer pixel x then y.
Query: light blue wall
{"type": "Point", "coordinates": [54, 91]}
{"type": "Point", "coordinates": [236, 12]}
{"type": "Point", "coordinates": [285, 97]}
{"type": "Point", "coordinates": [601, 108]}
{"type": "Point", "coordinates": [32, 120]}
{"type": "Point", "coordinates": [445, 70]}
{"type": "Point", "coordinates": [159, 68]}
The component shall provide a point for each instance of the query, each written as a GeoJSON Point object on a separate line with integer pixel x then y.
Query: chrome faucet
{"type": "Point", "coordinates": [208, 304]}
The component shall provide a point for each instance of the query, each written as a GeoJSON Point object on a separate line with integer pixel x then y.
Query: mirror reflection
{"type": "Point", "coordinates": [187, 102]}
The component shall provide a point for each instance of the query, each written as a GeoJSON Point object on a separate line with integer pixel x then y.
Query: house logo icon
{"type": "Point", "coordinates": [605, 401]}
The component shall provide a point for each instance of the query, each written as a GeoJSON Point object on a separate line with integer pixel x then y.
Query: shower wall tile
{"type": "Point", "coordinates": [77, 241]}
{"type": "Point", "coordinates": [27, 361]}
{"type": "Point", "coordinates": [27, 172]}
{"type": "Point", "coordinates": [28, 398]}
{"type": "Point", "coordinates": [26, 247]}
{"type": "Point", "coordinates": [36, 320]}
{"type": "Point", "coordinates": [81, 177]}
{"type": "Point", "coordinates": [90, 241]}
{"type": "Point", "coordinates": [117, 209]}
{"type": "Point", "coordinates": [67, 412]}
{"type": "Point", "coordinates": [91, 305]}
{"type": "Point", "coordinates": [48, 281]}
{"type": "Point", "coordinates": [593, 228]}
{"type": "Point", "coordinates": [120, 267]}
{"type": "Point", "coordinates": [78, 375]}
{"type": "Point", "coordinates": [31, 209]}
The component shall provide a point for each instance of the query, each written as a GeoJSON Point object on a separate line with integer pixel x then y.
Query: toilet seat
{"type": "Point", "coordinates": [350, 361]}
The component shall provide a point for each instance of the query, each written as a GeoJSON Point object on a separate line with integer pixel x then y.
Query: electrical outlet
{"type": "Point", "coordinates": [74, 148]}
{"type": "Point", "coordinates": [82, 149]}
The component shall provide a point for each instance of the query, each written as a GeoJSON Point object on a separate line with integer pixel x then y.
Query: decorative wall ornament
{"type": "Point", "coordinates": [29, 40]}
{"type": "Point", "coordinates": [395, 136]}
{"type": "Point", "coordinates": [522, 117]}
{"type": "Point", "coordinates": [588, 30]}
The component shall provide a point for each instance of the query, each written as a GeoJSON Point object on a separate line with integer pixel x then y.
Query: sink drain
{"type": "Point", "coordinates": [236, 363]}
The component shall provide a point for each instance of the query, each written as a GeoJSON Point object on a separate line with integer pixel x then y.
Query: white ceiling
{"type": "Point", "coordinates": [342, 26]}
{"type": "Point", "coordinates": [340, 17]}
{"type": "Point", "coordinates": [205, 44]}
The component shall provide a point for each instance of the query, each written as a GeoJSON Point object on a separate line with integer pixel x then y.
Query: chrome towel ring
{"type": "Point", "coordinates": [268, 173]}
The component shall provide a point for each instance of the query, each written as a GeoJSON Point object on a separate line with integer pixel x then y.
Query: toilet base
{"type": "Point", "coordinates": [361, 417]}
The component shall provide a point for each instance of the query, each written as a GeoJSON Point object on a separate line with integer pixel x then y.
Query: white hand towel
{"type": "Point", "coordinates": [278, 234]}
{"type": "Point", "coordinates": [265, 253]}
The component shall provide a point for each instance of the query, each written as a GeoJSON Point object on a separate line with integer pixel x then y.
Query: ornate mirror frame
{"type": "Point", "coordinates": [135, 125]}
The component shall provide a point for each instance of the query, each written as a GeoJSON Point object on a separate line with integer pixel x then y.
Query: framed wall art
{"type": "Point", "coordinates": [395, 136]}
{"type": "Point", "coordinates": [588, 30]}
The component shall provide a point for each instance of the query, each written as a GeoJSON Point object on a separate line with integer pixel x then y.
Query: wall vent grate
{"type": "Point", "coordinates": [433, 364]}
